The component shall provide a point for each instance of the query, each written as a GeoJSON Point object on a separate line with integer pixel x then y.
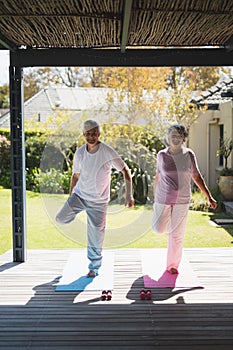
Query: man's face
{"type": "Point", "coordinates": [92, 136]}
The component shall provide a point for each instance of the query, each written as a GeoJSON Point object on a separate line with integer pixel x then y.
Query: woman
{"type": "Point", "coordinates": [176, 167]}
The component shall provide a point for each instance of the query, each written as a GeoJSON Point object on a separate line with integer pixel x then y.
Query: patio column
{"type": "Point", "coordinates": [18, 180]}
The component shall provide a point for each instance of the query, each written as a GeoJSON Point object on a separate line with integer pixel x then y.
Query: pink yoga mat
{"type": "Point", "coordinates": [155, 274]}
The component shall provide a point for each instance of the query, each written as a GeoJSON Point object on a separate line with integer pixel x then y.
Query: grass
{"type": "Point", "coordinates": [134, 226]}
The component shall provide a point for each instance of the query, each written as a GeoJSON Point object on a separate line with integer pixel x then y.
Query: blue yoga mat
{"type": "Point", "coordinates": [74, 274]}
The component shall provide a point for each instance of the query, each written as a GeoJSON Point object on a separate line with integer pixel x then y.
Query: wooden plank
{"type": "Point", "coordinates": [34, 316]}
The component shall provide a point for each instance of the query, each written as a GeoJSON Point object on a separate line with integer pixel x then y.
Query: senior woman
{"type": "Point", "coordinates": [176, 167]}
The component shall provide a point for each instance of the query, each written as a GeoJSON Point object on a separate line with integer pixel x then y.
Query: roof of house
{"type": "Point", "coordinates": [77, 100]}
{"type": "Point", "coordinates": [5, 118]}
{"type": "Point", "coordinates": [3, 111]}
{"type": "Point", "coordinates": [71, 100]}
{"type": "Point", "coordinates": [219, 93]}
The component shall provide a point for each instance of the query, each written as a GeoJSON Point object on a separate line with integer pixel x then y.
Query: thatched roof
{"type": "Point", "coordinates": [119, 24]}
{"type": "Point", "coordinates": [99, 23]}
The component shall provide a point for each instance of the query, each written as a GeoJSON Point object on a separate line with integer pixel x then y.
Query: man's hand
{"type": "Point", "coordinates": [74, 180]}
{"type": "Point", "coordinates": [130, 203]}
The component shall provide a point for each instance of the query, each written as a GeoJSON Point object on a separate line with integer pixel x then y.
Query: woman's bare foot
{"type": "Point", "coordinates": [173, 271]}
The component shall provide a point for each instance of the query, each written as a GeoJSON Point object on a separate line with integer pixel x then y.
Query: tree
{"type": "Point", "coordinates": [65, 76]}
{"type": "Point", "coordinates": [153, 96]}
{"type": "Point", "coordinates": [196, 78]}
{"type": "Point", "coordinates": [4, 96]}
{"type": "Point", "coordinates": [204, 78]}
{"type": "Point", "coordinates": [136, 93]}
{"type": "Point", "coordinates": [32, 83]}
{"type": "Point", "coordinates": [184, 81]}
{"type": "Point", "coordinates": [36, 79]}
{"type": "Point", "coordinates": [179, 108]}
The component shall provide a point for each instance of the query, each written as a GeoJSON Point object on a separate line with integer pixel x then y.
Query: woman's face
{"type": "Point", "coordinates": [175, 139]}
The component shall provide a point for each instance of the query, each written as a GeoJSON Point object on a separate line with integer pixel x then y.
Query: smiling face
{"type": "Point", "coordinates": [92, 137]}
{"type": "Point", "coordinates": [175, 139]}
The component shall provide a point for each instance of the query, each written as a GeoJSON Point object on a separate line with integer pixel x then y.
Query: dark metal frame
{"type": "Point", "coordinates": [130, 58]}
{"type": "Point", "coordinates": [18, 165]}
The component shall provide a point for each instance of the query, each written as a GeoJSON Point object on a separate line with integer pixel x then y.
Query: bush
{"type": "Point", "coordinates": [138, 147]}
{"type": "Point", "coordinates": [5, 161]}
{"type": "Point", "coordinates": [32, 179]}
{"type": "Point", "coordinates": [50, 181]}
{"type": "Point", "coordinates": [66, 176]}
{"type": "Point", "coordinates": [51, 171]}
{"type": "Point", "coordinates": [199, 202]}
{"type": "Point", "coordinates": [34, 148]}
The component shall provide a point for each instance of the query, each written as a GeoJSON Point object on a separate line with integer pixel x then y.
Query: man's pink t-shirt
{"type": "Point", "coordinates": [175, 174]}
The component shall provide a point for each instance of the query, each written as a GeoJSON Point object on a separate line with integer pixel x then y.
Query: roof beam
{"type": "Point", "coordinates": [229, 44]}
{"type": "Point", "coordinates": [126, 20]}
{"type": "Point", "coordinates": [6, 44]}
{"type": "Point", "coordinates": [114, 58]}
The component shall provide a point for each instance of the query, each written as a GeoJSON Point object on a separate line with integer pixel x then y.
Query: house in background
{"type": "Point", "coordinates": [3, 113]}
{"type": "Point", "coordinates": [214, 124]}
{"type": "Point", "coordinates": [76, 102]}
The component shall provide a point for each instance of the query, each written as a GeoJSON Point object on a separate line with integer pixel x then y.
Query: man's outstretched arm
{"type": "Point", "coordinates": [129, 201]}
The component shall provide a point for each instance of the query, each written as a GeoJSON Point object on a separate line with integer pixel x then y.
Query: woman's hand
{"type": "Point", "coordinates": [213, 203]}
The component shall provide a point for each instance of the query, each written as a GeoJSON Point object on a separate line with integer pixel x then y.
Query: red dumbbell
{"type": "Point", "coordinates": [143, 294]}
{"type": "Point", "coordinates": [109, 295]}
{"type": "Point", "coordinates": [104, 295]}
{"type": "Point", "coordinates": [148, 294]}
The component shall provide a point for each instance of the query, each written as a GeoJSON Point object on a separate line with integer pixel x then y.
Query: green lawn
{"type": "Point", "coordinates": [133, 224]}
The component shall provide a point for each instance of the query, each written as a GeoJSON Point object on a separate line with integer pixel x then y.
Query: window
{"type": "Point", "coordinates": [221, 133]}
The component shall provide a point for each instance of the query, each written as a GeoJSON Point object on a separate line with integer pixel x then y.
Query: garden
{"type": "Point", "coordinates": [48, 170]}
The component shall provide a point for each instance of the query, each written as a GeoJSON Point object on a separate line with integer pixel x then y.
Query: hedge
{"type": "Point", "coordinates": [49, 159]}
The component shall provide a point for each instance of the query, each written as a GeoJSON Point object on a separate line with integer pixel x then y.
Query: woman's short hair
{"type": "Point", "coordinates": [180, 128]}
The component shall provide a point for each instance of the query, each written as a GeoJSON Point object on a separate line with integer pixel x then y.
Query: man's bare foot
{"type": "Point", "coordinates": [173, 271]}
{"type": "Point", "coordinates": [91, 274]}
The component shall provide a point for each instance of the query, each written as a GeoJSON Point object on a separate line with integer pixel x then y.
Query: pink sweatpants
{"type": "Point", "coordinates": [171, 219]}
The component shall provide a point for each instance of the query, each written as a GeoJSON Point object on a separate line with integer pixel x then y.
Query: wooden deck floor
{"type": "Point", "coordinates": [34, 316]}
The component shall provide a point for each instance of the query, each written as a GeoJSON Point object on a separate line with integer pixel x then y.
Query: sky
{"type": "Point", "coordinates": [4, 67]}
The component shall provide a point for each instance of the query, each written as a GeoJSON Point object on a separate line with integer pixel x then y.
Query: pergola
{"type": "Point", "coordinates": [103, 33]}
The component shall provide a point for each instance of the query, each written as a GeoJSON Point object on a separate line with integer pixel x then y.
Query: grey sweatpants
{"type": "Point", "coordinates": [96, 222]}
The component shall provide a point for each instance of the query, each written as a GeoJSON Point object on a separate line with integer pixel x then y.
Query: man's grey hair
{"type": "Point", "coordinates": [90, 124]}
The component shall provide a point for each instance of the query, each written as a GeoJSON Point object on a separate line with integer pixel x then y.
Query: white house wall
{"type": "Point", "coordinates": [39, 107]}
{"type": "Point", "coordinates": [226, 118]}
{"type": "Point", "coordinates": [204, 138]}
{"type": "Point", "coordinates": [213, 140]}
{"type": "Point", "coordinates": [204, 142]}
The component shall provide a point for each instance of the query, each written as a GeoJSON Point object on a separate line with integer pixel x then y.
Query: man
{"type": "Point", "coordinates": [90, 190]}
